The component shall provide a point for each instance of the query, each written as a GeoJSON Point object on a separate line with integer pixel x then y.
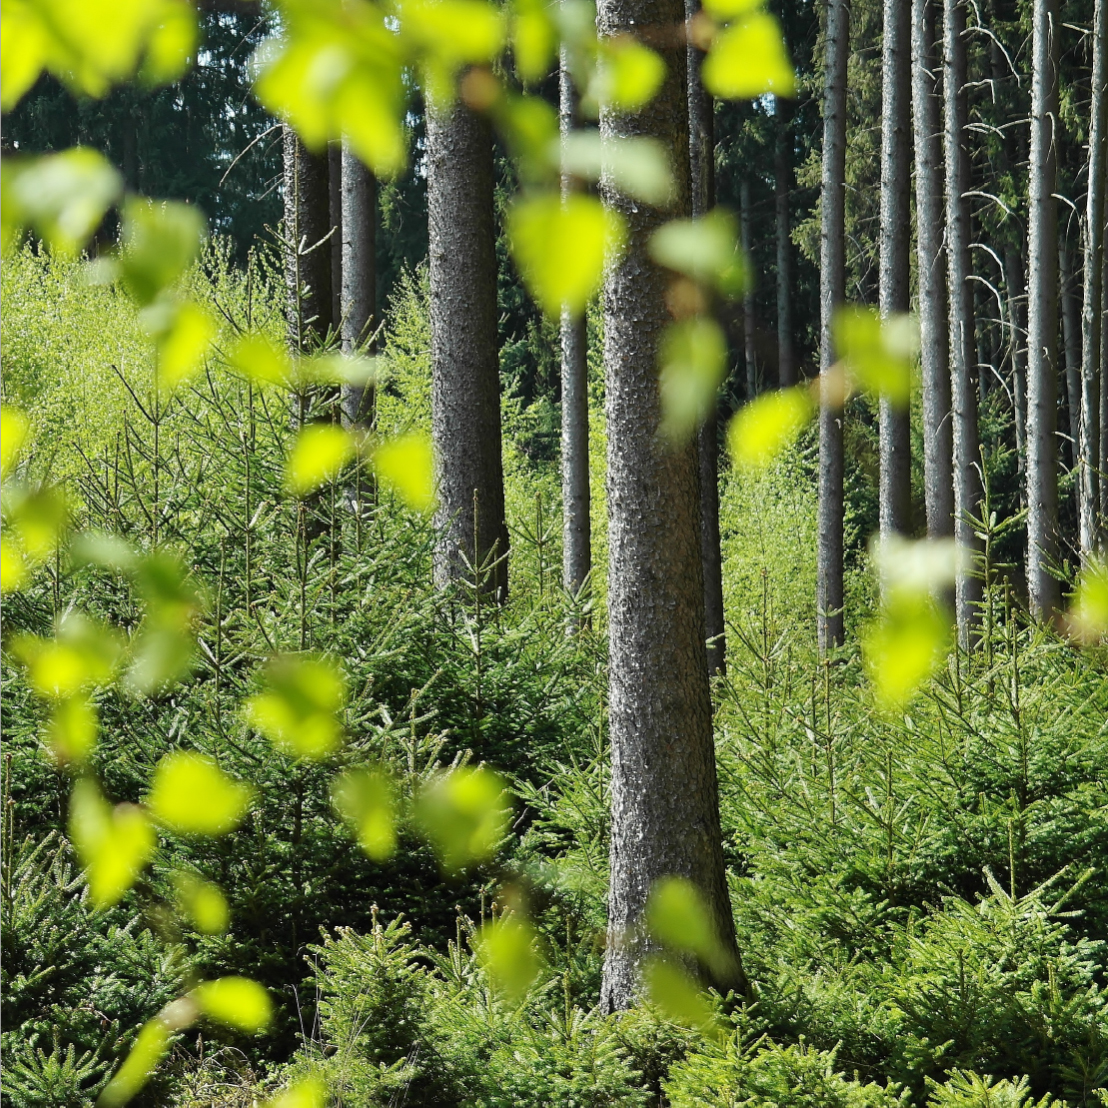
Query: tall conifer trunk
{"type": "Point", "coordinates": [829, 554]}
{"type": "Point", "coordinates": [465, 375]}
{"type": "Point", "coordinates": [359, 278]}
{"type": "Point", "coordinates": [750, 346]}
{"type": "Point", "coordinates": [664, 793]}
{"type": "Point", "coordinates": [782, 187]}
{"type": "Point", "coordinates": [896, 71]}
{"type": "Point", "coordinates": [1071, 353]}
{"type": "Point", "coordinates": [1042, 317]}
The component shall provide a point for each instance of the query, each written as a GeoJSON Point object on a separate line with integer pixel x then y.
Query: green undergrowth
{"type": "Point", "coordinates": [920, 899]}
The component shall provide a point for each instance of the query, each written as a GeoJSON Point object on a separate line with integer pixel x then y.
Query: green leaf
{"type": "Point", "coordinates": [678, 916]}
{"type": "Point", "coordinates": [160, 241]}
{"type": "Point", "coordinates": [150, 1047]}
{"type": "Point", "coordinates": [676, 995]}
{"type": "Point", "coordinates": [203, 903]}
{"type": "Point", "coordinates": [704, 250]}
{"type": "Point", "coordinates": [748, 59]}
{"type": "Point", "coordinates": [83, 655]}
{"type": "Point", "coordinates": [38, 516]}
{"type": "Point", "coordinates": [14, 427]}
{"type": "Point", "coordinates": [638, 167]}
{"type": "Point", "coordinates": [1088, 615]}
{"type": "Point", "coordinates": [72, 730]}
{"type": "Point", "coordinates": [561, 248]}
{"type": "Point", "coordinates": [298, 710]}
{"type": "Point", "coordinates": [728, 9]}
{"type": "Point", "coordinates": [183, 332]}
{"type": "Point", "coordinates": [365, 799]}
{"type": "Point", "coordinates": [191, 795]}
{"type": "Point", "coordinates": [237, 1002]}
{"type": "Point", "coordinates": [507, 951]}
{"type": "Point", "coordinates": [628, 74]}
{"type": "Point", "coordinates": [259, 361]}
{"type": "Point", "coordinates": [319, 453]}
{"type": "Point", "coordinates": [14, 571]}
{"type": "Point", "coordinates": [766, 426]}
{"type": "Point", "coordinates": [879, 354]}
{"type": "Point", "coordinates": [534, 39]}
{"type": "Point", "coordinates": [465, 816]}
{"type": "Point", "coordinates": [308, 1092]}
{"type": "Point", "coordinates": [904, 647]}
{"type": "Point", "coordinates": [173, 40]}
{"type": "Point", "coordinates": [406, 465]}
{"type": "Point", "coordinates": [694, 362]}
{"type": "Point", "coordinates": [113, 844]}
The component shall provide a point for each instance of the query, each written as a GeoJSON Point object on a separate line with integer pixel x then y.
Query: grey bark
{"type": "Point", "coordinates": [1016, 293]}
{"type": "Point", "coordinates": [465, 380]}
{"type": "Point", "coordinates": [334, 189]}
{"type": "Point", "coordinates": [359, 279]}
{"type": "Point", "coordinates": [576, 495]}
{"type": "Point", "coordinates": [895, 501]}
{"type": "Point", "coordinates": [1104, 402]}
{"type": "Point", "coordinates": [1092, 321]}
{"type": "Point", "coordinates": [829, 553]}
{"type": "Point", "coordinates": [702, 180]}
{"type": "Point", "coordinates": [938, 440]}
{"type": "Point", "coordinates": [664, 792]}
{"type": "Point", "coordinates": [963, 378]}
{"type": "Point", "coordinates": [750, 349]}
{"type": "Point", "coordinates": [1071, 350]}
{"type": "Point", "coordinates": [782, 188]}
{"type": "Point", "coordinates": [1042, 317]}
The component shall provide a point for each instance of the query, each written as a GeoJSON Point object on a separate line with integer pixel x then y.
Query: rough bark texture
{"type": "Point", "coordinates": [702, 179]}
{"type": "Point", "coordinates": [782, 188]}
{"type": "Point", "coordinates": [359, 279]}
{"type": "Point", "coordinates": [938, 441]}
{"type": "Point", "coordinates": [1092, 321]}
{"type": "Point", "coordinates": [1042, 317]}
{"type": "Point", "coordinates": [963, 376]}
{"type": "Point", "coordinates": [664, 793]}
{"type": "Point", "coordinates": [576, 497]}
{"type": "Point", "coordinates": [896, 443]}
{"type": "Point", "coordinates": [465, 380]}
{"type": "Point", "coordinates": [829, 555]}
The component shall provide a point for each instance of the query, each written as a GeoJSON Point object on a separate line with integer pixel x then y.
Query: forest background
{"type": "Point", "coordinates": [912, 828]}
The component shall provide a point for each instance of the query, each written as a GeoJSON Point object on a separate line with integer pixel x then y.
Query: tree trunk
{"type": "Point", "coordinates": [702, 178]}
{"type": "Point", "coordinates": [750, 351]}
{"type": "Point", "coordinates": [472, 536]}
{"type": "Point", "coordinates": [1017, 322]}
{"type": "Point", "coordinates": [938, 442]}
{"type": "Point", "coordinates": [829, 554]}
{"type": "Point", "coordinates": [1071, 349]}
{"type": "Point", "coordinates": [963, 378]}
{"type": "Point", "coordinates": [782, 187]}
{"type": "Point", "coordinates": [359, 279]}
{"type": "Point", "coordinates": [896, 442]}
{"type": "Point", "coordinates": [334, 189]}
{"type": "Point", "coordinates": [1092, 321]}
{"type": "Point", "coordinates": [664, 793]}
{"type": "Point", "coordinates": [1104, 402]}
{"type": "Point", "coordinates": [1042, 318]}
{"type": "Point", "coordinates": [576, 498]}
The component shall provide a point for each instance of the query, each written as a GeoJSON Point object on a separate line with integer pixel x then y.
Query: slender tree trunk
{"type": "Point", "coordinates": [1042, 317]}
{"type": "Point", "coordinates": [465, 375]}
{"type": "Point", "coordinates": [750, 351]}
{"type": "Point", "coordinates": [334, 189]}
{"type": "Point", "coordinates": [829, 554]}
{"type": "Point", "coordinates": [1104, 402]}
{"type": "Point", "coordinates": [938, 441]}
{"type": "Point", "coordinates": [359, 279]}
{"type": "Point", "coordinates": [702, 179]}
{"type": "Point", "coordinates": [1017, 321]}
{"type": "Point", "coordinates": [896, 72]}
{"type": "Point", "coordinates": [1071, 349]}
{"type": "Point", "coordinates": [1092, 321]}
{"type": "Point", "coordinates": [664, 793]}
{"type": "Point", "coordinates": [782, 187]}
{"type": "Point", "coordinates": [963, 379]}
{"type": "Point", "coordinates": [576, 497]}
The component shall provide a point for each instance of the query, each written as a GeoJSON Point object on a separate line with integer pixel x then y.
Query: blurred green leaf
{"type": "Point", "coordinates": [677, 996]}
{"type": "Point", "coordinates": [298, 711]}
{"type": "Point", "coordinates": [14, 571]}
{"type": "Point", "coordinates": [163, 649]}
{"type": "Point", "coordinates": [748, 59]}
{"type": "Point", "coordinates": [191, 795]}
{"type": "Point", "coordinates": [904, 647]}
{"type": "Point", "coordinates": [767, 425]}
{"type": "Point", "coordinates": [14, 427]}
{"type": "Point", "coordinates": [183, 332]}
{"type": "Point", "coordinates": [703, 249]}
{"type": "Point", "coordinates": [628, 74]}
{"type": "Point", "coordinates": [507, 950]}
{"type": "Point", "coordinates": [366, 801]}
{"type": "Point", "coordinates": [203, 903]}
{"type": "Point", "coordinates": [173, 40]}
{"type": "Point", "coordinates": [260, 361]}
{"type": "Point", "coordinates": [72, 729]}
{"type": "Point", "coordinates": [38, 516]}
{"type": "Point", "coordinates": [464, 813]}
{"type": "Point", "coordinates": [319, 453]}
{"type": "Point", "coordinates": [150, 1047]}
{"type": "Point", "coordinates": [677, 915]}
{"type": "Point", "coordinates": [693, 365]}
{"type": "Point", "coordinates": [880, 355]}
{"type": "Point", "coordinates": [534, 39]}
{"type": "Point", "coordinates": [638, 167]}
{"type": "Point", "coordinates": [308, 1092]}
{"type": "Point", "coordinates": [237, 1002]}
{"type": "Point", "coordinates": [159, 242]}
{"type": "Point", "coordinates": [405, 464]}
{"type": "Point", "coordinates": [1088, 614]}
{"type": "Point", "coordinates": [83, 654]}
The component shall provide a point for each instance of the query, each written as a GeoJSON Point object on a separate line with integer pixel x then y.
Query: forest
{"type": "Point", "coordinates": [554, 553]}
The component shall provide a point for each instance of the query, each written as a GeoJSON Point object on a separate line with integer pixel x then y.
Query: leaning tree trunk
{"type": "Point", "coordinates": [829, 553]}
{"type": "Point", "coordinates": [664, 793]}
{"type": "Point", "coordinates": [359, 279]}
{"type": "Point", "coordinates": [1042, 318]}
{"type": "Point", "coordinates": [576, 497]}
{"type": "Point", "coordinates": [782, 188]}
{"type": "Point", "coordinates": [702, 179]}
{"type": "Point", "coordinates": [1092, 321]}
{"type": "Point", "coordinates": [895, 502]}
{"type": "Point", "coordinates": [963, 376]}
{"type": "Point", "coordinates": [472, 536]}
{"type": "Point", "coordinates": [938, 442]}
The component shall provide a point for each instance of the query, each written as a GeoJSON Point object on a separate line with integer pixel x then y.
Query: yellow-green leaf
{"type": "Point", "coordinates": [298, 710]}
{"type": "Point", "coordinates": [561, 248]}
{"type": "Point", "coordinates": [1088, 615]}
{"type": "Point", "coordinates": [14, 427]}
{"type": "Point", "coordinates": [678, 916]}
{"type": "Point", "coordinates": [190, 794]}
{"type": "Point", "coordinates": [507, 951]}
{"type": "Point", "coordinates": [638, 167]}
{"type": "Point", "coordinates": [308, 1092]}
{"type": "Point", "coordinates": [73, 728]}
{"type": "Point", "coordinates": [172, 42]}
{"type": "Point", "coordinates": [183, 332]}
{"type": "Point", "coordinates": [675, 993]}
{"type": "Point", "coordinates": [464, 814]}
{"type": "Point", "coordinates": [257, 359]}
{"type": "Point", "coordinates": [406, 465]}
{"type": "Point", "coordinates": [84, 654]}
{"type": "Point", "coordinates": [13, 567]}
{"type": "Point", "coordinates": [728, 9]}
{"type": "Point", "coordinates": [904, 647]}
{"type": "Point", "coordinates": [160, 241]}
{"type": "Point", "coordinates": [694, 362]}
{"type": "Point", "coordinates": [534, 39]}
{"type": "Point", "coordinates": [762, 429]}
{"type": "Point", "coordinates": [113, 844]}
{"type": "Point", "coordinates": [38, 515]}
{"type": "Point", "coordinates": [319, 453]}
{"type": "Point", "coordinates": [748, 59]}
{"type": "Point", "coordinates": [150, 1047]}
{"type": "Point", "coordinates": [203, 903]}
{"type": "Point", "coordinates": [879, 354]}
{"type": "Point", "coordinates": [628, 74]}
{"type": "Point", "coordinates": [365, 799]}
{"type": "Point", "coordinates": [703, 249]}
{"type": "Point", "coordinates": [237, 1002]}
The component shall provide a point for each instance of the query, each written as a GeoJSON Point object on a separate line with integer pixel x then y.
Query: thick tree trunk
{"type": "Point", "coordinates": [829, 554]}
{"type": "Point", "coordinates": [750, 347]}
{"type": "Point", "coordinates": [359, 279]}
{"type": "Point", "coordinates": [896, 443]}
{"type": "Point", "coordinates": [1092, 321]}
{"type": "Point", "coordinates": [782, 187]}
{"type": "Point", "coordinates": [576, 496]}
{"type": "Point", "coordinates": [1042, 318]}
{"type": "Point", "coordinates": [472, 536]}
{"type": "Point", "coordinates": [963, 378]}
{"type": "Point", "coordinates": [665, 807]}
{"type": "Point", "coordinates": [702, 180]}
{"type": "Point", "coordinates": [938, 441]}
